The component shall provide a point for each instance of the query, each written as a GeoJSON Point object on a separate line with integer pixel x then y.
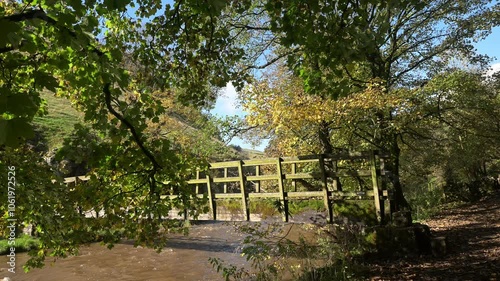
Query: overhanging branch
{"type": "Point", "coordinates": [130, 127]}
{"type": "Point", "coordinates": [41, 15]}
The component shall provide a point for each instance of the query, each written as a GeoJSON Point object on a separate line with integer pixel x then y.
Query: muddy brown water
{"type": "Point", "coordinates": [184, 258]}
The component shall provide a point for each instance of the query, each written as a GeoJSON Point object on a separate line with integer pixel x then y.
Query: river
{"type": "Point", "coordinates": [184, 258]}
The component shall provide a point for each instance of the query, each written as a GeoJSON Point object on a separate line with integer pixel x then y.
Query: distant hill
{"type": "Point", "coordinates": [246, 153]}
{"type": "Point", "coordinates": [59, 123]}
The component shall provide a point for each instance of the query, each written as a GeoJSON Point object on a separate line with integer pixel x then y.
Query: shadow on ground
{"type": "Point", "coordinates": [473, 240]}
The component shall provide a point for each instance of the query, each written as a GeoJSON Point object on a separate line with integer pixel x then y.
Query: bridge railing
{"type": "Point", "coordinates": [278, 178]}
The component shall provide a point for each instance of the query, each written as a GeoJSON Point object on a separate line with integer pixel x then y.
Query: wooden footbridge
{"type": "Point", "coordinates": [288, 178]}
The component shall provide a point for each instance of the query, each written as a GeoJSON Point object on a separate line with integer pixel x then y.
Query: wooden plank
{"type": "Point", "coordinates": [305, 194]}
{"type": "Point", "coordinates": [211, 199]}
{"type": "Point", "coordinates": [227, 164]}
{"type": "Point", "coordinates": [292, 159]}
{"type": "Point", "coordinates": [385, 193]}
{"type": "Point", "coordinates": [259, 162]}
{"type": "Point", "coordinates": [74, 179]}
{"type": "Point", "coordinates": [294, 171]}
{"type": "Point", "coordinates": [326, 197]}
{"type": "Point", "coordinates": [261, 178]}
{"type": "Point", "coordinates": [300, 161]}
{"type": "Point", "coordinates": [69, 179]}
{"type": "Point", "coordinates": [173, 196]}
{"type": "Point", "coordinates": [382, 166]}
{"type": "Point", "coordinates": [197, 188]}
{"type": "Point", "coordinates": [379, 204]}
{"type": "Point", "coordinates": [265, 195]}
{"type": "Point", "coordinates": [257, 184]}
{"type": "Point", "coordinates": [341, 194]}
{"type": "Point", "coordinates": [244, 194]}
{"type": "Point", "coordinates": [198, 181]}
{"type": "Point", "coordinates": [336, 180]}
{"type": "Point", "coordinates": [302, 176]}
{"type": "Point", "coordinates": [225, 184]}
{"type": "Point", "coordinates": [360, 173]}
{"type": "Point", "coordinates": [227, 195]}
{"type": "Point", "coordinates": [281, 189]}
{"type": "Point", "coordinates": [230, 179]}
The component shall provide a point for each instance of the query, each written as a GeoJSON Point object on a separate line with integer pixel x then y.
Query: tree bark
{"type": "Point", "coordinates": [400, 202]}
{"type": "Point", "coordinates": [324, 138]}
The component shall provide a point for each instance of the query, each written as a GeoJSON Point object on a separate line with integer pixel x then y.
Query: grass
{"type": "Point", "coordinates": [268, 207]}
{"type": "Point", "coordinates": [23, 243]}
{"type": "Point", "coordinates": [252, 153]}
{"type": "Point", "coordinates": [60, 121]}
{"type": "Point", "coordinates": [264, 207]}
{"type": "Point", "coordinates": [297, 206]}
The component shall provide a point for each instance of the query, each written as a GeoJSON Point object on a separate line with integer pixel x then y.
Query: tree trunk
{"type": "Point", "coordinates": [324, 138]}
{"type": "Point", "coordinates": [400, 203]}
{"type": "Point", "coordinates": [327, 148]}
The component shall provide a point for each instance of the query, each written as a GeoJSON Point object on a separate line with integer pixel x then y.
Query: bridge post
{"type": "Point", "coordinates": [336, 180]}
{"type": "Point", "coordinates": [283, 200]}
{"type": "Point", "coordinates": [326, 194]}
{"type": "Point", "coordinates": [244, 194]}
{"type": "Point", "coordinates": [211, 198]}
{"type": "Point", "coordinates": [257, 183]}
{"type": "Point", "coordinates": [197, 189]}
{"type": "Point", "coordinates": [225, 176]}
{"type": "Point", "coordinates": [377, 192]}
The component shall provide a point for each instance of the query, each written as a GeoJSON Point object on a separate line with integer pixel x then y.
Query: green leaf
{"type": "Point", "coordinates": [13, 132]}
{"type": "Point", "coordinates": [8, 33]}
{"type": "Point", "coordinates": [19, 104]}
{"type": "Point", "coordinates": [119, 5]}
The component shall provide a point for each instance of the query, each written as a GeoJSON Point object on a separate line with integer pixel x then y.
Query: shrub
{"type": "Point", "coordinates": [24, 243]}
{"type": "Point", "coordinates": [330, 252]}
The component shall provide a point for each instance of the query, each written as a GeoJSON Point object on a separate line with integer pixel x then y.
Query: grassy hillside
{"type": "Point", "coordinates": [62, 117]}
{"type": "Point", "coordinates": [244, 153]}
{"type": "Point", "coordinates": [60, 121]}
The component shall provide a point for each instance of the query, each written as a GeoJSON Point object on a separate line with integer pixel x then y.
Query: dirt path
{"type": "Point", "coordinates": [473, 233]}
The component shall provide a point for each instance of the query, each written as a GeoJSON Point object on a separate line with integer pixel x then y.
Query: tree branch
{"type": "Point", "coordinates": [6, 49]}
{"type": "Point", "coordinates": [129, 125]}
{"type": "Point", "coordinates": [41, 15]}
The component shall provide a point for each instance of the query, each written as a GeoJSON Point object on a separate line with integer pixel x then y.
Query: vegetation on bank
{"type": "Point", "coordinates": [23, 243]}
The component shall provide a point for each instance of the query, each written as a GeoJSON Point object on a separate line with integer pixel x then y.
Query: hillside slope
{"type": "Point", "coordinates": [59, 122]}
{"type": "Point", "coordinates": [62, 117]}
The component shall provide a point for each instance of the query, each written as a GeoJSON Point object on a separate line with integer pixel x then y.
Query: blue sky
{"type": "Point", "coordinates": [227, 103]}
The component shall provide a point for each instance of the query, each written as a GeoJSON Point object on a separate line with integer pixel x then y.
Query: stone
{"type": "Point", "coordinates": [438, 246]}
{"type": "Point", "coordinates": [401, 218]}
{"type": "Point", "coordinates": [402, 241]}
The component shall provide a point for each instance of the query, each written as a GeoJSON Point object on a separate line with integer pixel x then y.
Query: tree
{"type": "Point", "coordinates": [343, 47]}
{"type": "Point", "coordinates": [83, 51]}
{"type": "Point", "coordinates": [453, 141]}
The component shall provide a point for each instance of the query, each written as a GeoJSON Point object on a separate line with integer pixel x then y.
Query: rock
{"type": "Point", "coordinates": [398, 241]}
{"type": "Point", "coordinates": [438, 246]}
{"type": "Point", "coordinates": [401, 218]}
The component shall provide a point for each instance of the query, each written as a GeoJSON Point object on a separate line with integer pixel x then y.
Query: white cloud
{"type": "Point", "coordinates": [227, 102]}
{"type": "Point", "coordinates": [494, 68]}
